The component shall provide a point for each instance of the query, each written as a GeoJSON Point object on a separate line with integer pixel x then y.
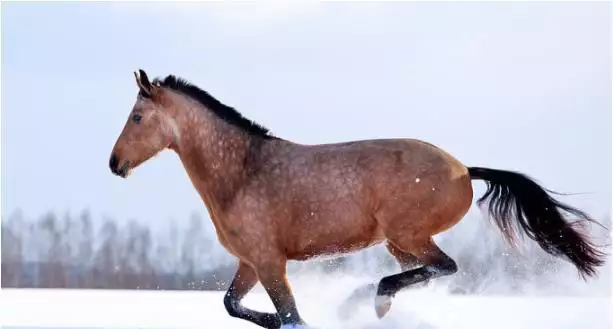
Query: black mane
{"type": "Point", "coordinates": [224, 112]}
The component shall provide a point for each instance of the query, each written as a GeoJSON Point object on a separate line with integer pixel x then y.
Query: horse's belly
{"type": "Point", "coordinates": [335, 243]}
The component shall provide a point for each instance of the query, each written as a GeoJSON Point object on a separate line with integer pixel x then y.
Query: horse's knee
{"type": "Point", "coordinates": [447, 266]}
{"type": "Point", "coordinates": [231, 304]}
{"type": "Point", "coordinates": [450, 267]}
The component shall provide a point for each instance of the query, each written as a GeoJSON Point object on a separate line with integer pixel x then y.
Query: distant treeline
{"type": "Point", "coordinates": [78, 252]}
{"type": "Point", "coordinates": [71, 253]}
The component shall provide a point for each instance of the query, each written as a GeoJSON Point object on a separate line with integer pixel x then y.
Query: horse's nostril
{"type": "Point", "coordinates": [113, 163]}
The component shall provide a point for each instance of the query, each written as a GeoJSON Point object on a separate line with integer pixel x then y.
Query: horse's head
{"type": "Point", "coordinates": [150, 128]}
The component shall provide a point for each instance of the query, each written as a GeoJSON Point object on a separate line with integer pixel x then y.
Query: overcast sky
{"type": "Point", "coordinates": [520, 86]}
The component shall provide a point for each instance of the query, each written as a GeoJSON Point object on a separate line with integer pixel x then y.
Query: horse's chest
{"type": "Point", "coordinates": [224, 236]}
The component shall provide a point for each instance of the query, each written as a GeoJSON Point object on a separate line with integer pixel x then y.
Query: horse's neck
{"type": "Point", "coordinates": [213, 153]}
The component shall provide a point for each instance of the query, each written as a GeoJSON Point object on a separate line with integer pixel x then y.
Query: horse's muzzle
{"type": "Point", "coordinates": [116, 169]}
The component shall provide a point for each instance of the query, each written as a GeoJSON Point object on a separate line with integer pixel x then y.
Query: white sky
{"type": "Point", "coordinates": [520, 86]}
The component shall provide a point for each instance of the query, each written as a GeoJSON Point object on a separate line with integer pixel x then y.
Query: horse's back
{"type": "Point", "coordinates": [365, 170]}
{"type": "Point", "coordinates": [391, 156]}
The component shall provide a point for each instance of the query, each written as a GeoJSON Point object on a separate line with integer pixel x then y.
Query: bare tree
{"type": "Point", "coordinates": [106, 259]}
{"type": "Point", "coordinates": [12, 253]}
{"type": "Point", "coordinates": [85, 238]}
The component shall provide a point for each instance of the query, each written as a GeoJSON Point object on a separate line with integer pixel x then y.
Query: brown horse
{"type": "Point", "coordinates": [272, 200]}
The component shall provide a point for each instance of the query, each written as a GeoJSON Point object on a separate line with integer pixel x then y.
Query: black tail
{"type": "Point", "coordinates": [514, 196]}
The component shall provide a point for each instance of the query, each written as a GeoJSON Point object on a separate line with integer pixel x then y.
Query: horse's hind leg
{"type": "Point", "coordinates": [244, 280]}
{"type": "Point", "coordinates": [407, 261]}
{"type": "Point", "coordinates": [436, 264]}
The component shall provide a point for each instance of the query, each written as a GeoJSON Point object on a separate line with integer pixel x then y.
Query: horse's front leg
{"type": "Point", "coordinates": [244, 280]}
{"type": "Point", "coordinates": [273, 276]}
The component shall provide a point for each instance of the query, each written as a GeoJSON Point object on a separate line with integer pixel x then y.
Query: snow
{"type": "Point", "coordinates": [318, 299]}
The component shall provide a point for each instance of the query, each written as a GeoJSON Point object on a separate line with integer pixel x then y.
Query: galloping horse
{"type": "Point", "coordinates": [272, 200]}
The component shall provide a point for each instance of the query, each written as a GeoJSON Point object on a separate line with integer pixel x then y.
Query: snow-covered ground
{"type": "Point", "coordinates": [505, 293]}
{"type": "Point", "coordinates": [318, 299]}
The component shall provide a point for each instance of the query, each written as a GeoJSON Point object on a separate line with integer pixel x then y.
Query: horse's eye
{"type": "Point", "coordinates": [136, 118]}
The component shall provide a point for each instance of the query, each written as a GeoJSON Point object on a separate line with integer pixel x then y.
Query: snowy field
{"type": "Point", "coordinates": [500, 296]}
{"type": "Point", "coordinates": [318, 299]}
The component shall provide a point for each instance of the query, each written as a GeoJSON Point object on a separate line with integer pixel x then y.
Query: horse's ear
{"type": "Point", "coordinates": [143, 82]}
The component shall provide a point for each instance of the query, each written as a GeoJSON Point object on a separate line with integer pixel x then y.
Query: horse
{"type": "Point", "coordinates": [272, 200]}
